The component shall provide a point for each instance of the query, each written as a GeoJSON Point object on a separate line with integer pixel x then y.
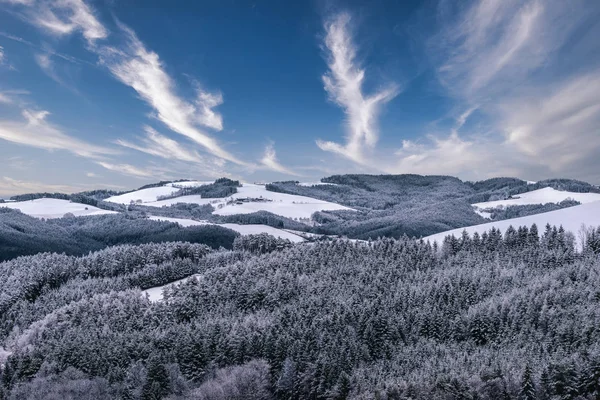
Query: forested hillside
{"type": "Point", "coordinates": [416, 205]}
{"type": "Point", "coordinates": [380, 205]}
{"type": "Point", "coordinates": [23, 235]}
{"type": "Point", "coordinates": [487, 317]}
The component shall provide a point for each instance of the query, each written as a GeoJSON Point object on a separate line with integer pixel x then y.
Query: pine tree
{"type": "Point", "coordinates": [286, 382]}
{"type": "Point", "coordinates": [527, 387]}
{"type": "Point", "coordinates": [157, 382]}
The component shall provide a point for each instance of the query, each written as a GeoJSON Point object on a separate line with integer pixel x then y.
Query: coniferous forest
{"type": "Point", "coordinates": [300, 200]}
{"type": "Point", "coordinates": [513, 316]}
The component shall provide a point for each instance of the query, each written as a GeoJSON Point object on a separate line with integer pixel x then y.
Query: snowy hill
{"type": "Point", "coordinates": [191, 199]}
{"type": "Point", "coordinates": [149, 195]}
{"type": "Point", "coordinates": [286, 205]}
{"type": "Point", "coordinates": [571, 219]}
{"type": "Point", "coordinates": [541, 196]}
{"type": "Point", "coordinates": [242, 229]}
{"type": "Point", "coordinates": [54, 208]}
{"type": "Point", "coordinates": [143, 195]}
{"type": "Point", "coordinates": [254, 197]}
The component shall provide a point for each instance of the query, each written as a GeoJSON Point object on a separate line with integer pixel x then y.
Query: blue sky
{"type": "Point", "coordinates": [120, 93]}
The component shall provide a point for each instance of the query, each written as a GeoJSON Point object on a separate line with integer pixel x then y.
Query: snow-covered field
{"type": "Point", "coordinates": [143, 196]}
{"type": "Point", "coordinates": [150, 195]}
{"type": "Point", "coordinates": [189, 184]}
{"type": "Point", "coordinates": [286, 205]}
{"type": "Point", "coordinates": [242, 229]}
{"type": "Point", "coordinates": [541, 196]}
{"type": "Point", "coordinates": [315, 183]}
{"type": "Point", "coordinates": [571, 219]}
{"type": "Point", "coordinates": [54, 208]}
{"type": "Point", "coordinates": [191, 199]}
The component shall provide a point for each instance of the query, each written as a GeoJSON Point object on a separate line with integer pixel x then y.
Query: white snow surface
{"type": "Point", "coordinates": [541, 196]}
{"type": "Point", "coordinates": [145, 195]}
{"type": "Point", "coordinates": [315, 183]}
{"type": "Point", "coordinates": [156, 293]}
{"type": "Point", "coordinates": [150, 195]}
{"type": "Point", "coordinates": [189, 184]}
{"type": "Point", "coordinates": [572, 219]}
{"type": "Point", "coordinates": [54, 208]}
{"type": "Point", "coordinates": [484, 214]}
{"type": "Point", "coordinates": [242, 229]}
{"type": "Point", "coordinates": [286, 205]}
{"type": "Point", "coordinates": [191, 199]}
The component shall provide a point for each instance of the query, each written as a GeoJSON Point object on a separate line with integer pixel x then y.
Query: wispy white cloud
{"type": "Point", "coordinates": [161, 146]}
{"type": "Point", "coordinates": [5, 98]}
{"type": "Point", "coordinates": [205, 115]}
{"type": "Point", "coordinates": [508, 57]}
{"type": "Point", "coordinates": [19, 163]}
{"type": "Point", "coordinates": [1, 55]}
{"type": "Point", "coordinates": [12, 96]}
{"type": "Point", "coordinates": [142, 70]}
{"type": "Point", "coordinates": [270, 161]}
{"type": "Point", "coordinates": [344, 84]}
{"type": "Point", "coordinates": [63, 17]}
{"type": "Point", "coordinates": [10, 186]}
{"type": "Point", "coordinates": [36, 131]}
{"type": "Point", "coordinates": [490, 40]}
{"type": "Point", "coordinates": [445, 155]}
{"type": "Point", "coordinates": [46, 64]}
{"type": "Point", "coordinates": [126, 169]}
{"type": "Point", "coordinates": [46, 49]}
{"type": "Point", "coordinates": [559, 126]}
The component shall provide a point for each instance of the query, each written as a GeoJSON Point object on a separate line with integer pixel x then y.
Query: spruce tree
{"type": "Point", "coordinates": [527, 386]}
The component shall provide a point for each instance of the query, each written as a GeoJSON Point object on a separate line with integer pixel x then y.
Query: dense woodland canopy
{"type": "Point", "coordinates": [21, 234]}
{"type": "Point", "coordinates": [514, 316]}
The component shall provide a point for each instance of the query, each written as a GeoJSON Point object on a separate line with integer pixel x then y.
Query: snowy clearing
{"type": "Point", "coordinates": [156, 293]}
{"type": "Point", "coordinates": [54, 208]}
{"type": "Point", "coordinates": [571, 219]}
{"type": "Point", "coordinates": [541, 196]}
{"type": "Point", "coordinates": [484, 214]}
{"type": "Point", "coordinates": [242, 229]}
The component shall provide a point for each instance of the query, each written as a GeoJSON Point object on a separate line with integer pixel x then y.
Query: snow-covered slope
{"type": "Point", "coordinates": [188, 184]}
{"type": "Point", "coordinates": [143, 196]}
{"type": "Point", "coordinates": [315, 184]}
{"type": "Point", "coordinates": [571, 219]}
{"type": "Point", "coordinates": [541, 196]}
{"type": "Point", "coordinates": [191, 199]}
{"type": "Point", "coordinates": [150, 194]}
{"type": "Point", "coordinates": [242, 229]}
{"type": "Point", "coordinates": [54, 208]}
{"type": "Point", "coordinates": [286, 205]}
